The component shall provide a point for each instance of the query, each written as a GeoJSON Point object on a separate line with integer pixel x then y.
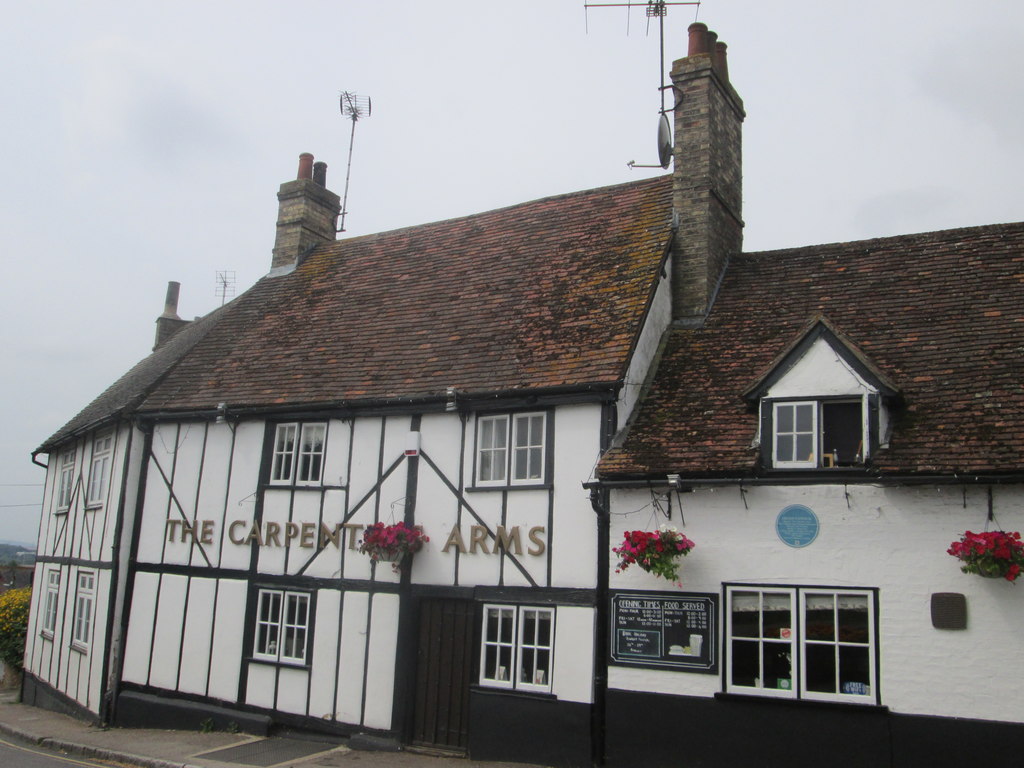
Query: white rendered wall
{"type": "Point", "coordinates": [640, 365]}
{"type": "Point", "coordinates": [573, 668]}
{"type": "Point", "coordinates": [893, 539]}
{"type": "Point", "coordinates": [820, 373]}
{"type": "Point", "coordinates": [380, 664]}
{"type": "Point", "coordinates": [573, 538]}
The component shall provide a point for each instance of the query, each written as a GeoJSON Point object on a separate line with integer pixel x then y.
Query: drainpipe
{"type": "Point", "coordinates": [599, 501]}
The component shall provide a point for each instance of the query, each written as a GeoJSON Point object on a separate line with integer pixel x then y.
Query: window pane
{"type": "Point", "coordinates": [804, 448]}
{"type": "Point", "coordinates": [784, 418]}
{"type": "Point", "coordinates": [784, 445]}
{"type": "Point", "coordinates": [493, 620]}
{"type": "Point", "coordinates": [506, 627]}
{"type": "Point", "coordinates": [527, 667]}
{"type": "Point", "coordinates": [536, 470]}
{"type": "Point", "coordinates": [853, 619]}
{"type": "Point", "coordinates": [500, 439]}
{"type": "Point", "coordinates": [778, 617]}
{"type": "Point", "coordinates": [821, 667]}
{"type": "Point", "coordinates": [544, 631]}
{"type": "Point", "coordinates": [745, 666]}
{"type": "Point", "coordinates": [522, 438]}
{"type": "Point", "coordinates": [529, 627]}
{"type": "Point", "coordinates": [854, 670]}
{"type": "Point", "coordinates": [542, 676]}
{"type": "Point", "coordinates": [746, 615]}
{"type": "Point", "coordinates": [778, 666]}
{"type": "Point", "coordinates": [842, 431]}
{"type": "Point", "coordinates": [820, 617]}
{"type": "Point", "coordinates": [805, 418]}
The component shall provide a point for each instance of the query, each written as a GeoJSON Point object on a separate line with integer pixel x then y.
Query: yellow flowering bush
{"type": "Point", "coordinates": [13, 625]}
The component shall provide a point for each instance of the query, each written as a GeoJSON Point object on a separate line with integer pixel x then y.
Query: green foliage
{"type": "Point", "coordinates": [13, 625]}
{"type": "Point", "coordinates": [207, 726]}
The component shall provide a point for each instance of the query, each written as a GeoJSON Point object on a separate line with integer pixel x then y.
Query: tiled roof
{"type": "Point", "coordinates": [549, 293]}
{"type": "Point", "coordinates": [129, 390]}
{"type": "Point", "coordinates": [940, 314]}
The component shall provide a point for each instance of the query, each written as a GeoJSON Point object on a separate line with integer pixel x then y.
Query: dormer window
{"type": "Point", "coordinates": [810, 434]}
{"type": "Point", "coordinates": [823, 404]}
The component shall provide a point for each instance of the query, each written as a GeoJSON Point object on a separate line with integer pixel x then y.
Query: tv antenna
{"type": "Point", "coordinates": [225, 285]}
{"type": "Point", "coordinates": [354, 108]}
{"type": "Point", "coordinates": [654, 9]}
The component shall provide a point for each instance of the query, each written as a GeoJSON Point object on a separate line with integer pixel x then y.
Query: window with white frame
{"type": "Point", "coordinates": [511, 449]}
{"type": "Point", "coordinates": [66, 484]}
{"type": "Point", "coordinates": [298, 454]}
{"type": "Point", "coordinates": [85, 598]}
{"type": "Point", "coordinates": [50, 601]}
{"type": "Point", "coordinates": [802, 642]}
{"type": "Point", "coordinates": [809, 434]}
{"type": "Point", "coordinates": [99, 469]}
{"type": "Point", "coordinates": [282, 626]}
{"type": "Point", "coordinates": [517, 648]}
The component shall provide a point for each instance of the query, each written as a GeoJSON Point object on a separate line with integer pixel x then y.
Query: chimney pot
{"type": "Point", "coordinates": [712, 38]}
{"type": "Point", "coordinates": [305, 166]}
{"type": "Point", "coordinates": [721, 62]}
{"type": "Point", "coordinates": [320, 173]}
{"type": "Point", "coordinates": [171, 300]}
{"type": "Point", "coordinates": [698, 42]}
{"type": "Point", "coordinates": [169, 323]}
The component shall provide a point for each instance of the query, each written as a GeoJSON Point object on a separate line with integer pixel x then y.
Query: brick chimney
{"type": "Point", "coordinates": [307, 212]}
{"type": "Point", "coordinates": [169, 323]}
{"type": "Point", "coordinates": [707, 195]}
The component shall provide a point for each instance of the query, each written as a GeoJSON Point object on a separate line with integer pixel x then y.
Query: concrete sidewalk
{"type": "Point", "coordinates": [153, 748]}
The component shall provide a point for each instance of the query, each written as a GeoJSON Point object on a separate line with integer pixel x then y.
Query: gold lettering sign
{"type": "Point", "coordinates": [504, 539]}
{"type": "Point", "coordinates": [311, 535]}
{"type": "Point", "coordinates": [270, 534]}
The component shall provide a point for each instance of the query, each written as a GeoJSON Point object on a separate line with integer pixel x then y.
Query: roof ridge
{"type": "Point", "coordinates": [608, 188]}
{"type": "Point", "coordinates": [935, 234]}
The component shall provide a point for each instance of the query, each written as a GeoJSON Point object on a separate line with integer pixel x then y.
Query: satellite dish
{"type": "Point", "coordinates": [664, 141]}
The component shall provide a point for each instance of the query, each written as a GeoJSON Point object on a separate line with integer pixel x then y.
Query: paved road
{"type": "Point", "coordinates": [16, 756]}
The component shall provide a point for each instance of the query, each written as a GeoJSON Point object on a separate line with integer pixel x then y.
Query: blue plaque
{"type": "Point", "coordinates": [797, 525]}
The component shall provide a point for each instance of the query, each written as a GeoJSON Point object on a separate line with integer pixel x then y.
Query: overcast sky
{"type": "Point", "coordinates": [145, 142]}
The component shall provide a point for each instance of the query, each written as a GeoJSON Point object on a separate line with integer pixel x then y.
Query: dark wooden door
{"type": "Point", "coordinates": [443, 669]}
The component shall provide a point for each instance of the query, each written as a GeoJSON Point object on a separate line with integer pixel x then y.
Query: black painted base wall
{"type": "Point", "coordinates": [656, 730]}
{"type": "Point", "coordinates": [143, 710]}
{"type": "Point", "coordinates": [521, 728]}
{"type": "Point", "coordinates": [36, 693]}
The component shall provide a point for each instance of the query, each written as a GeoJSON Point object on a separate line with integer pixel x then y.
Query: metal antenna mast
{"type": "Point", "coordinates": [654, 9]}
{"type": "Point", "coordinates": [353, 107]}
{"type": "Point", "coordinates": [225, 284]}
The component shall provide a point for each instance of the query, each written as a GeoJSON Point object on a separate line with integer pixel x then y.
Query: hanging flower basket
{"type": "Point", "coordinates": [392, 543]}
{"type": "Point", "coordinates": [656, 552]}
{"type": "Point", "coordinates": [995, 554]}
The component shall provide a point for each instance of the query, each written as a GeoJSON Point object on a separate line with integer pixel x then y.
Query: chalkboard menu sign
{"type": "Point", "coordinates": [665, 630]}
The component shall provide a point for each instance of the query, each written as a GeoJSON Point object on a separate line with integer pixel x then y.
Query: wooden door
{"type": "Point", "coordinates": [443, 669]}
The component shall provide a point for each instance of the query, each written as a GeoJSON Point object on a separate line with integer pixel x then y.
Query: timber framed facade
{"type": "Point", "coordinates": [525, 386]}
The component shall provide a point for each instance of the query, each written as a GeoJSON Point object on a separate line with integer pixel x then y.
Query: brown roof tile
{"type": "Point", "coordinates": [544, 294]}
{"type": "Point", "coordinates": [941, 314]}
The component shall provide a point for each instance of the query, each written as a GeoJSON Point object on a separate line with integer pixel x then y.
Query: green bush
{"type": "Point", "coordinates": [13, 625]}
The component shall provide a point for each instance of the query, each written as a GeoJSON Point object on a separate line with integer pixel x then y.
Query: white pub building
{"type": "Point", "coordinates": [523, 386]}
